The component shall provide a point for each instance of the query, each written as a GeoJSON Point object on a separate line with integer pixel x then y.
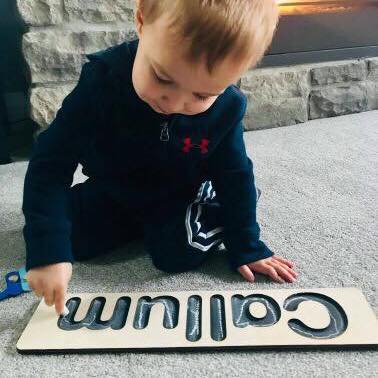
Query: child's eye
{"type": "Point", "coordinates": [201, 98]}
{"type": "Point", "coordinates": [162, 81]}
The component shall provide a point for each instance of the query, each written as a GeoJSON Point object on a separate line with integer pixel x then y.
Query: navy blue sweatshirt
{"type": "Point", "coordinates": [140, 157]}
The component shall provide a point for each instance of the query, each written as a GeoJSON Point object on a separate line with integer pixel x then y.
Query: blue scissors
{"type": "Point", "coordinates": [15, 284]}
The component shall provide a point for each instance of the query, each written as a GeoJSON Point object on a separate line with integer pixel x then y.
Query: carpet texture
{"type": "Point", "coordinates": [318, 209]}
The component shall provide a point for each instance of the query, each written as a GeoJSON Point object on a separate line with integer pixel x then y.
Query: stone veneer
{"type": "Point", "coordinates": [61, 32]}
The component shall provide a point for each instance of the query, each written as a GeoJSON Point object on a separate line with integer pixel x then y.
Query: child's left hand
{"type": "Point", "coordinates": [276, 267]}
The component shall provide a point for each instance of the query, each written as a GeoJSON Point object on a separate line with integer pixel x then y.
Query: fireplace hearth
{"type": "Point", "coordinates": [318, 31]}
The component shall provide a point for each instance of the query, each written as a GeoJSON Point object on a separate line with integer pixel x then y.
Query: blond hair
{"type": "Point", "coordinates": [216, 29]}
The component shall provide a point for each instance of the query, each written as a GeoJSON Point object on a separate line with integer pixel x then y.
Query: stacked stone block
{"type": "Point", "coordinates": [60, 33]}
{"type": "Point", "coordinates": [294, 94]}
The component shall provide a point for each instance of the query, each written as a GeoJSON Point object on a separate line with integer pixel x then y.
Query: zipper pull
{"type": "Point", "coordinates": [164, 135]}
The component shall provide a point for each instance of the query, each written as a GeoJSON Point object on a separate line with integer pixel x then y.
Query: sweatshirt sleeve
{"type": "Point", "coordinates": [231, 172]}
{"type": "Point", "coordinates": [49, 176]}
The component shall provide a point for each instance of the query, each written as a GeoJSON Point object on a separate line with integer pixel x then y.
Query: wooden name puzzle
{"type": "Point", "coordinates": [320, 317]}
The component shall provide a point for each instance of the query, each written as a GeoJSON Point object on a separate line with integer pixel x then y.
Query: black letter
{"type": "Point", "coordinates": [92, 318]}
{"type": "Point", "coordinates": [338, 319]}
{"type": "Point", "coordinates": [193, 318]}
{"type": "Point", "coordinates": [217, 318]}
{"type": "Point", "coordinates": [171, 311]}
{"type": "Point", "coordinates": [242, 316]}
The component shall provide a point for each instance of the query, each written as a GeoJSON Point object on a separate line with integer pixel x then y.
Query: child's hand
{"type": "Point", "coordinates": [51, 282]}
{"type": "Point", "coordinates": [275, 267]}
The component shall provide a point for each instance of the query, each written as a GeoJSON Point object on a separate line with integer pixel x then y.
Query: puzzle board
{"type": "Point", "coordinates": [319, 317]}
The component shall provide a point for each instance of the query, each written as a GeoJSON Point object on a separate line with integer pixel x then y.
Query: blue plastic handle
{"type": "Point", "coordinates": [15, 284]}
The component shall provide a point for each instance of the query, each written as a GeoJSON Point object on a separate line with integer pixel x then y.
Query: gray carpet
{"type": "Point", "coordinates": [318, 209]}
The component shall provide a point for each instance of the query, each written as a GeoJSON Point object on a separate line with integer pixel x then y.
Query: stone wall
{"type": "Point", "coordinates": [61, 32]}
{"type": "Point", "coordinates": [282, 96]}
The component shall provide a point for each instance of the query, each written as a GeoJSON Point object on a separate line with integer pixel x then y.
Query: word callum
{"type": "Point", "coordinates": [241, 315]}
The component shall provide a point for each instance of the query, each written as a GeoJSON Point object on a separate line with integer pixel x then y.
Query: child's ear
{"type": "Point", "coordinates": [138, 19]}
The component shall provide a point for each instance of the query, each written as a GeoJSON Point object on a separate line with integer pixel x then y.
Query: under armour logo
{"type": "Point", "coordinates": [188, 145]}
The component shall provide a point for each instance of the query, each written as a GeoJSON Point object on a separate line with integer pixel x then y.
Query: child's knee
{"type": "Point", "coordinates": [80, 250]}
{"type": "Point", "coordinates": [176, 266]}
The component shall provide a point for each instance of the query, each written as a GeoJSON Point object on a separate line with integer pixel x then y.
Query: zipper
{"type": "Point", "coordinates": [164, 135]}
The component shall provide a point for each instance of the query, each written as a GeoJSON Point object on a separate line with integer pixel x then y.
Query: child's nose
{"type": "Point", "coordinates": [173, 104]}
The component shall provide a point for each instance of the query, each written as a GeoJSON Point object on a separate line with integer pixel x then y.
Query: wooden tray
{"type": "Point", "coordinates": [282, 318]}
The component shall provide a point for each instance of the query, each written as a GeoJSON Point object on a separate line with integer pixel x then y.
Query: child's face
{"type": "Point", "coordinates": [185, 88]}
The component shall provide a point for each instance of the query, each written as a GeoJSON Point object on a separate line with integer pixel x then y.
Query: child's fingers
{"type": "Point", "coordinates": [36, 288]}
{"type": "Point", "coordinates": [60, 299]}
{"type": "Point", "coordinates": [284, 271]}
{"type": "Point", "coordinates": [38, 293]}
{"type": "Point", "coordinates": [49, 297]}
{"type": "Point", "coordinates": [271, 271]}
{"type": "Point", "coordinates": [291, 271]}
{"type": "Point", "coordinates": [30, 284]}
{"type": "Point", "coordinates": [281, 259]}
{"type": "Point", "coordinates": [246, 272]}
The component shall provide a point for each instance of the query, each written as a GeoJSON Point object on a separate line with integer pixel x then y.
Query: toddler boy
{"type": "Point", "coordinates": [156, 123]}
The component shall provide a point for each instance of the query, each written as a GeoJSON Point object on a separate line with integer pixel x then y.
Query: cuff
{"type": "Point", "coordinates": [47, 250]}
{"type": "Point", "coordinates": [242, 248]}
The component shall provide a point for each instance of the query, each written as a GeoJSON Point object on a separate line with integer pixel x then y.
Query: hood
{"type": "Point", "coordinates": [119, 58]}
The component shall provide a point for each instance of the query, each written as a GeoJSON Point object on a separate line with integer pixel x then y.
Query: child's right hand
{"type": "Point", "coordinates": [51, 282]}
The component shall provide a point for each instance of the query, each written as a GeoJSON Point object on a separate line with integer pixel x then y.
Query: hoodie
{"type": "Point", "coordinates": [140, 157]}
